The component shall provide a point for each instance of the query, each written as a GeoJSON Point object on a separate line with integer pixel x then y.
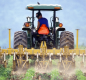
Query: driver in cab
{"type": "Point", "coordinates": [42, 26]}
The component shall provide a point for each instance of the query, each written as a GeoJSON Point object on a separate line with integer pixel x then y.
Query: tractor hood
{"type": "Point", "coordinates": [50, 7]}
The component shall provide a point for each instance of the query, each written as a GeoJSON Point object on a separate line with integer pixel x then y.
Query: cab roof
{"type": "Point", "coordinates": [50, 7]}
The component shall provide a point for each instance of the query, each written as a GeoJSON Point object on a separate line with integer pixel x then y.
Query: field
{"type": "Point", "coordinates": [78, 73]}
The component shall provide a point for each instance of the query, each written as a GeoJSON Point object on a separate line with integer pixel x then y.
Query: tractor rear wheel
{"type": "Point", "coordinates": [20, 37]}
{"type": "Point", "coordinates": [67, 38]}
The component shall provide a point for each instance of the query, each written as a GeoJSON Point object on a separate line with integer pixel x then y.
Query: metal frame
{"type": "Point", "coordinates": [32, 18]}
{"type": "Point", "coordinates": [32, 25]}
{"type": "Point", "coordinates": [54, 15]}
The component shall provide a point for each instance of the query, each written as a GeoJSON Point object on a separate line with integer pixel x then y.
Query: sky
{"type": "Point", "coordinates": [13, 15]}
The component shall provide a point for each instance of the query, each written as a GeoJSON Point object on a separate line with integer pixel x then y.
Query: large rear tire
{"type": "Point", "coordinates": [67, 38]}
{"type": "Point", "coordinates": [20, 37]}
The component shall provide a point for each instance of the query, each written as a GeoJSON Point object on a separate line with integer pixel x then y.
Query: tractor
{"type": "Point", "coordinates": [53, 39]}
{"type": "Point", "coordinates": [44, 43]}
{"type": "Point", "coordinates": [57, 44]}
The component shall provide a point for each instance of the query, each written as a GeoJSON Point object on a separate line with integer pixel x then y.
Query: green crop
{"type": "Point", "coordinates": [29, 74]}
{"type": "Point", "coordinates": [55, 61]}
{"type": "Point", "coordinates": [31, 61]}
{"type": "Point", "coordinates": [55, 75]}
{"type": "Point", "coordinates": [80, 75]}
{"type": "Point", "coordinates": [44, 76]}
{"type": "Point", "coordinates": [5, 73]}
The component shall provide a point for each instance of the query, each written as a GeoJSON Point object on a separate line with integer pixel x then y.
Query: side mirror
{"type": "Point", "coordinates": [57, 19]}
{"type": "Point", "coordinates": [28, 19]}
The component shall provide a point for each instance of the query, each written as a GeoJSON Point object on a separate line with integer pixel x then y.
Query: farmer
{"type": "Point", "coordinates": [41, 20]}
{"type": "Point", "coordinates": [42, 26]}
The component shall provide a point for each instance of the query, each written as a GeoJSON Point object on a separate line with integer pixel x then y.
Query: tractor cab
{"type": "Point", "coordinates": [52, 34]}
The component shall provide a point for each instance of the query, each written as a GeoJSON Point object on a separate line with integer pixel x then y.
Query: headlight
{"type": "Point", "coordinates": [60, 24]}
{"type": "Point", "coordinates": [34, 30]}
{"type": "Point", "coordinates": [27, 24]}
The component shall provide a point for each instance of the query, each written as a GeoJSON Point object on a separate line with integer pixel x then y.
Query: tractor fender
{"type": "Point", "coordinates": [26, 28]}
{"type": "Point", "coordinates": [60, 29]}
